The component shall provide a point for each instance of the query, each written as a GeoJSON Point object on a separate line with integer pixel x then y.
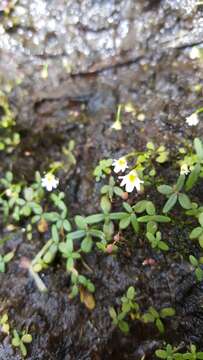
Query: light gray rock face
{"type": "Point", "coordinates": [80, 34]}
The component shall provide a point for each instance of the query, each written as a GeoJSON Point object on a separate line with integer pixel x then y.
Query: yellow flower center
{"type": "Point", "coordinates": [49, 177]}
{"type": "Point", "coordinates": [132, 178]}
{"type": "Point", "coordinates": [121, 162]}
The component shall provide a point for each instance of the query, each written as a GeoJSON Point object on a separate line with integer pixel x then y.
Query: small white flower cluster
{"type": "Point", "coordinates": [184, 170]}
{"type": "Point", "coordinates": [194, 53]}
{"type": "Point", "coordinates": [131, 180]}
{"type": "Point", "coordinates": [193, 119]}
{"type": "Point", "coordinates": [50, 182]}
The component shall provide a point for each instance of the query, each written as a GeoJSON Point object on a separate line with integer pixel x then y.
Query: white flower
{"type": "Point", "coordinates": [131, 181]}
{"type": "Point", "coordinates": [49, 181]}
{"type": "Point", "coordinates": [116, 125]}
{"type": "Point", "coordinates": [184, 170]}
{"type": "Point", "coordinates": [194, 53]}
{"type": "Point", "coordinates": [8, 192]}
{"type": "Point", "coordinates": [192, 120]}
{"type": "Point", "coordinates": [120, 165]}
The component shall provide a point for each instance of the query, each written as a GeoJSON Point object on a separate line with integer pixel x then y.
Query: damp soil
{"type": "Point", "coordinates": [100, 54]}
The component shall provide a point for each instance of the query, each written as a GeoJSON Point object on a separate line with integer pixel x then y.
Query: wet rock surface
{"type": "Point", "coordinates": [99, 54]}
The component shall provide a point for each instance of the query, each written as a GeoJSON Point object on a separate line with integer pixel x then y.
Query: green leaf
{"type": "Point", "coordinates": [198, 148]}
{"type": "Point", "coordinates": [74, 291]}
{"type": "Point", "coordinates": [152, 227]}
{"type": "Point", "coordinates": [124, 327]}
{"type": "Point", "coordinates": [140, 206]}
{"type": "Point", "coordinates": [200, 218]}
{"type": "Point", "coordinates": [112, 313]}
{"type": "Point", "coordinates": [153, 311]}
{"type": "Point", "coordinates": [86, 244]}
{"type": "Point", "coordinates": [126, 307]}
{"type": "Point", "coordinates": [193, 260]}
{"type": "Point", "coordinates": [105, 204]}
{"type": "Point", "coordinates": [160, 325]}
{"type": "Point", "coordinates": [118, 191]}
{"type": "Point", "coordinates": [127, 207]}
{"type": "Point", "coordinates": [184, 201]}
{"type": "Point", "coordinates": [108, 229]}
{"type": "Point", "coordinates": [167, 312]}
{"type": "Point", "coordinates": [199, 274]}
{"type": "Point", "coordinates": [23, 349]}
{"type": "Point", "coordinates": [52, 216]}
{"type": "Point", "coordinates": [37, 209]}
{"type": "Point", "coordinates": [80, 222]}
{"type": "Point", "coordinates": [162, 354]}
{"type": "Point", "coordinates": [9, 176]}
{"type": "Point", "coordinates": [150, 237]}
{"type": "Point", "coordinates": [117, 215]}
{"type": "Point", "coordinates": [27, 338]}
{"type": "Point", "coordinates": [28, 193]}
{"type": "Point", "coordinates": [170, 203]}
{"type": "Point", "coordinates": [78, 234]}
{"type": "Point", "coordinates": [9, 256]}
{"type": "Point", "coordinates": [193, 177]}
{"type": "Point", "coordinates": [66, 225]}
{"type": "Point", "coordinates": [180, 182]}
{"type": "Point", "coordinates": [196, 232]}
{"type": "Point", "coordinates": [187, 356]}
{"type": "Point", "coordinates": [66, 247]}
{"type": "Point", "coordinates": [70, 264]}
{"type": "Point", "coordinates": [90, 286]}
{"type": "Point", "coordinates": [2, 266]}
{"type": "Point", "coordinates": [134, 223]}
{"type": "Point", "coordinates": [165, 189]}
{"type": "Point", "coordinates": [163, 246]}
{"type": "Point", "coordinates": [124, 223]}
{"type": "Point", "coordinates": [104, 189]}
{"type": "Point", "coordinates": [163, 157]}
{"type": "Point", "coordinates": [150, 146]}
{"type": "Point", "coordinates": [156, 218]}
{"type": "Point", "coordinates": [97, 233]}
{"type": "Point", "coordinates": [69, 245]}
{"type": "Point", "coordinates": [150, 208]}
{"type": "Point", "coordinates": [148, 318]}
{"type": "Point", "coordinates": [130, 293]}
{"type": "Point", "coordinates": [26, 210]}
{"type": "Point", "coordinates": [94, 219]}
{"type": "Point", "coordinates": [201, 241]}
{"type": "Point", "coordinates": [54, 233]}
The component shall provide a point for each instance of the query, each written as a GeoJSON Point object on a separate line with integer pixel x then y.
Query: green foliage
{"type": "Point", "coordinates": [129, 306]}
{"type": "Point", "coordinates": [157, 317]}
{"type": "Point", "coordinates": [21, 340]}
{"type": "Point", "coordinates": [147, 160]}
{"type": "Point", "coordinates": [170, 353]}
{"type": "Point", "coordinates": [18, 201]}
{"type": "Point", "coordinates": [197, 264]}
{"type": "Point", "coordinates": [4, 259]}
{"type": "Point", "coordinates": [48, 213]}
{"type": "Point", "coordinates": [66, 248]}
{"type": "Point", "coordinates": [8, 138]}
{"type": "Point", "coordinates": [103, 169]}
{"type": "Point", "coordinates": [197, 232]}
{"type": "Point", "coordinates": [111, 189]}
{"type": "Point", "coordinates": [4, 324]}
{"type": "Point", "coordinates": [155, 240]}
{"type": "Point", "coordinates": [194, 161]}
{"type": "Point", "coordinates": [173, 194]}
{"type": "Point", "coordinates": [160, 154]}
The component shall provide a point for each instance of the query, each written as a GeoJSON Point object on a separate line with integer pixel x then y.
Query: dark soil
{"type": "Point", "coordinates": [142, 57]}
